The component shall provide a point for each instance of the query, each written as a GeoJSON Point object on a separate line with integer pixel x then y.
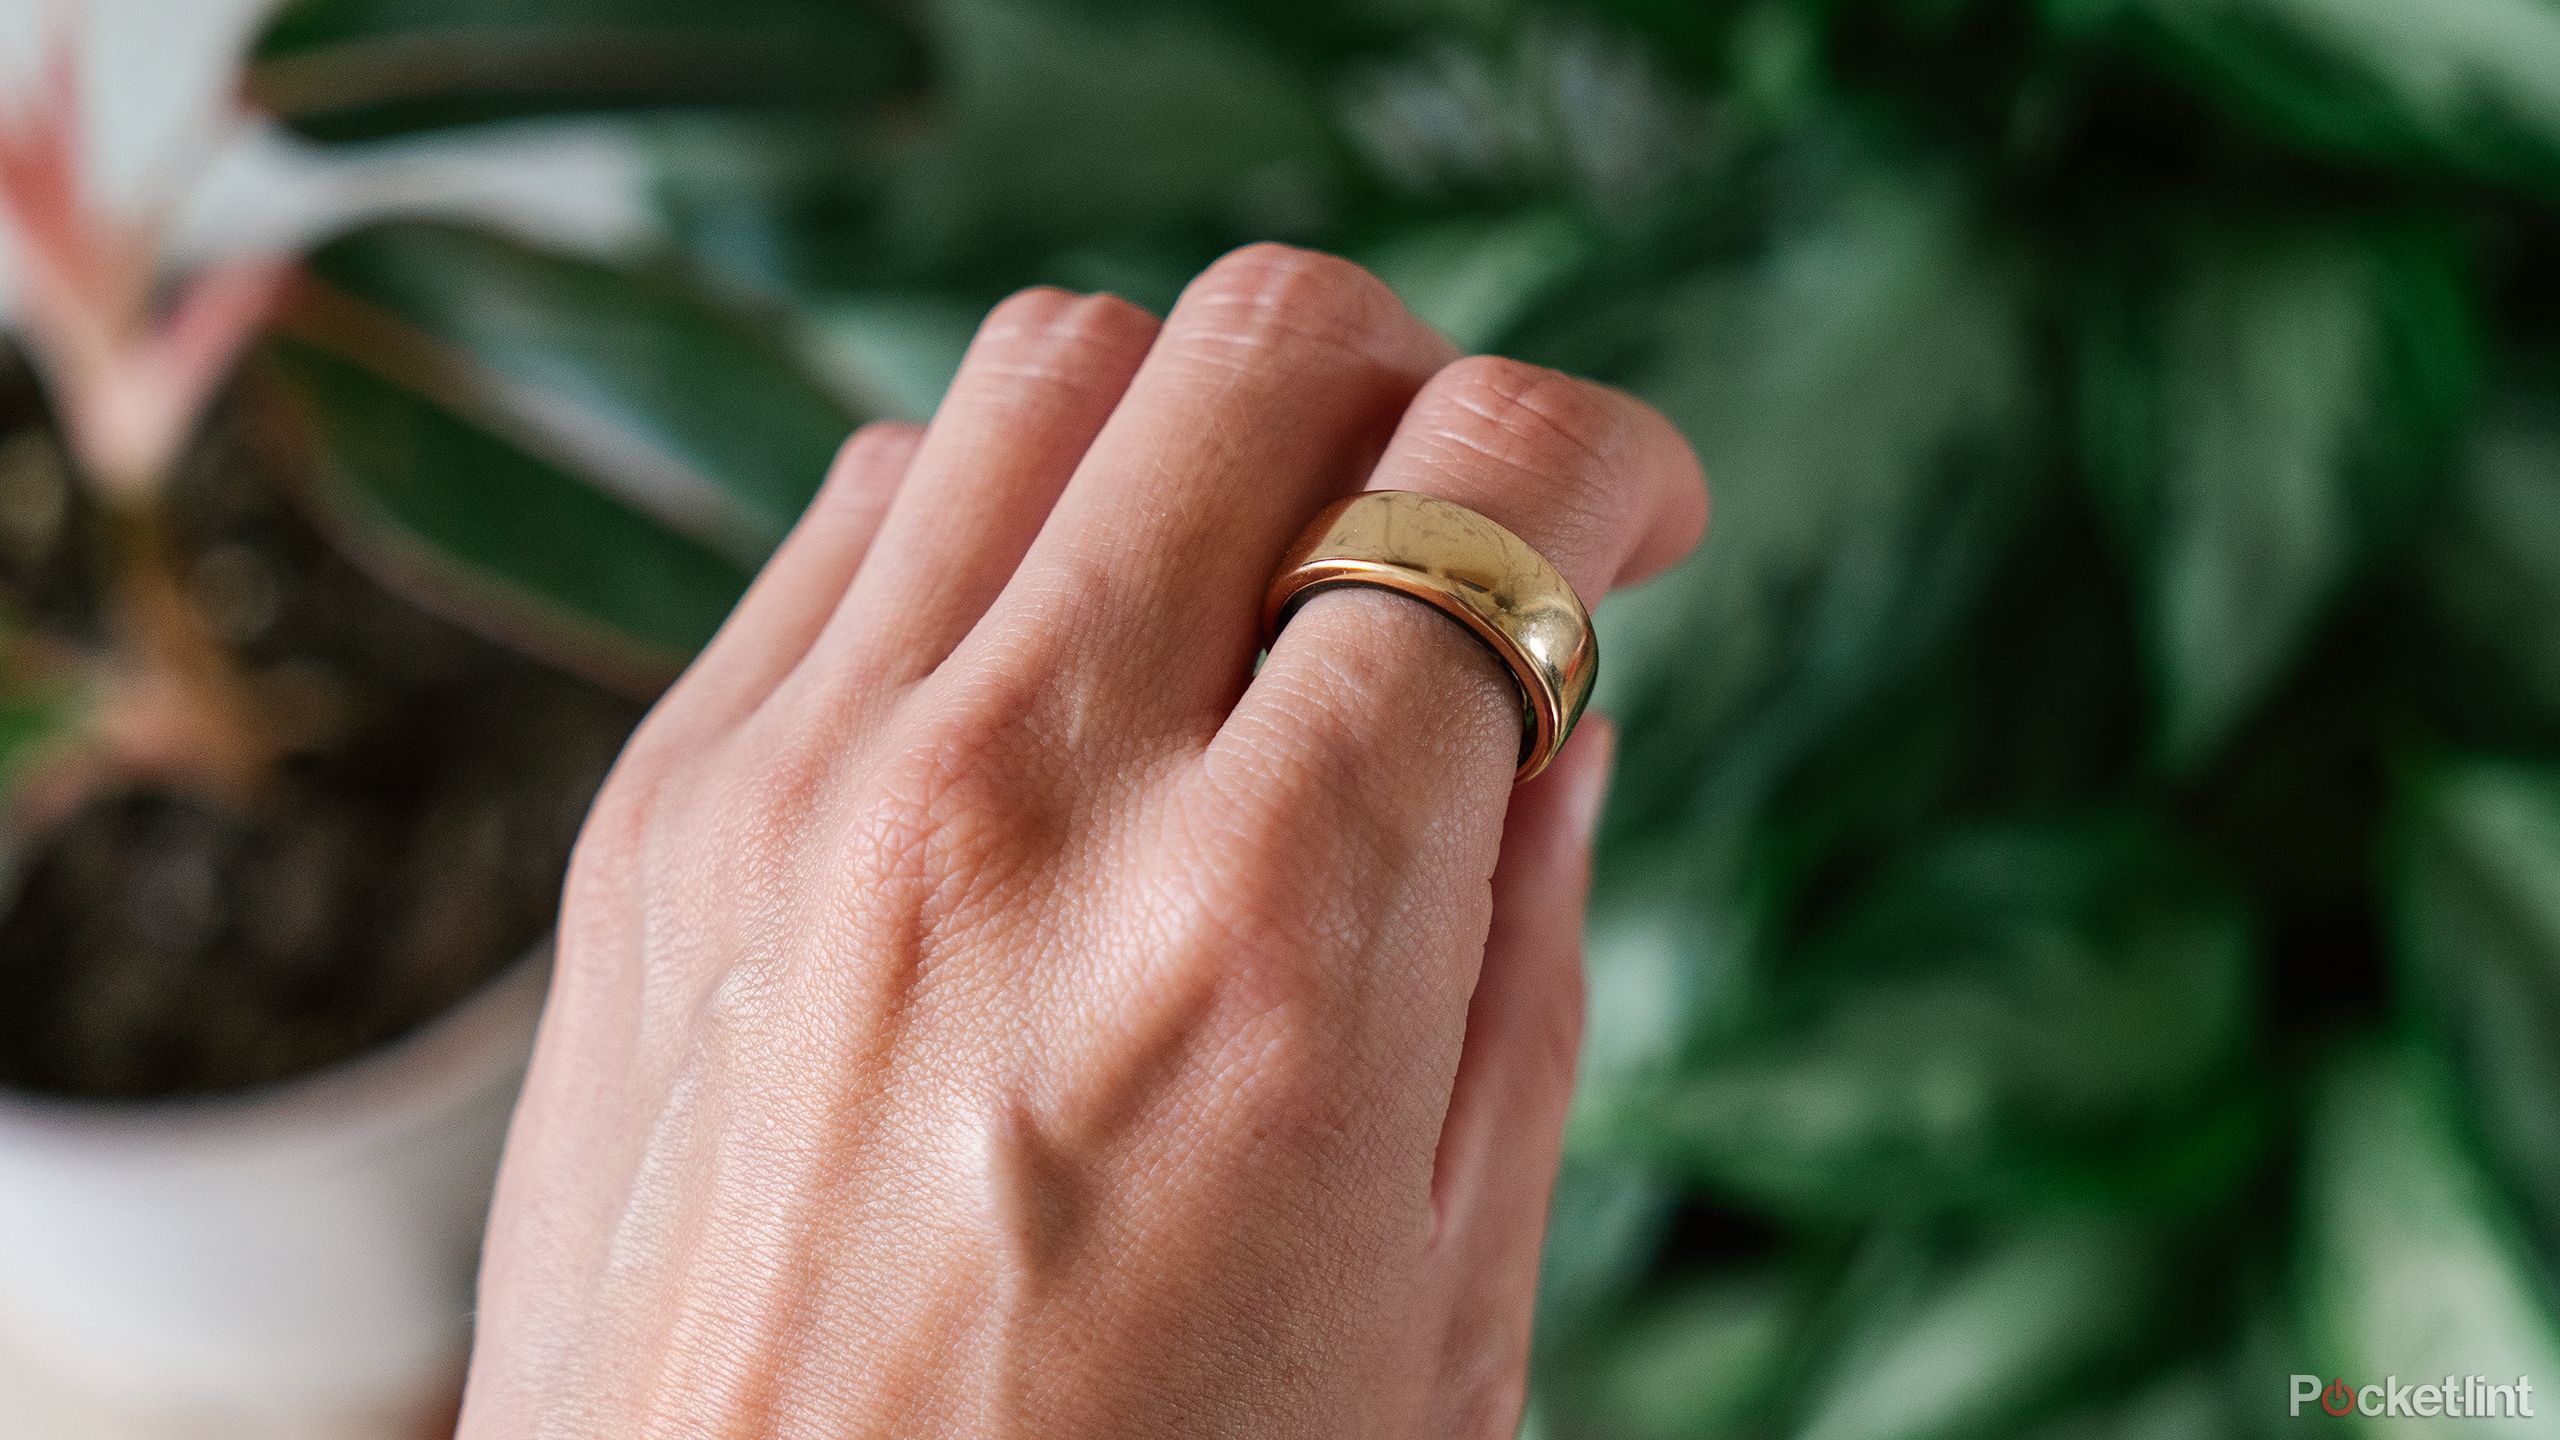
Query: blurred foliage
{"type": "Point", "coordinates": [591, 460]}
{"type": "Point", "coordinates": [364, 69]}
{"type": "Point", "coordinates": [2080, 933]}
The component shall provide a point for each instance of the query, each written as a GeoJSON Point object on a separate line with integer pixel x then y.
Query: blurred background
{"type": "Point", "coordinates": [2078, 942]}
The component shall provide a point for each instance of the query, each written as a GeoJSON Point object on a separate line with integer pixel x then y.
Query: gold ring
{"type": "Point", "coordinates": [1469, 569]}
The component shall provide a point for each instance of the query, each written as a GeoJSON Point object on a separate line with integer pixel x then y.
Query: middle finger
{"type": "Point", "coordinates": [1275, 383]}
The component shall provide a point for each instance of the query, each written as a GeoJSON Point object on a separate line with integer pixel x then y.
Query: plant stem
{"type": "Point", "coordinates": [179, 707]}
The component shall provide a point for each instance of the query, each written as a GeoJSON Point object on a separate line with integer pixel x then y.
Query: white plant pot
{"type": "Point", "coordinates": [273, 1260]}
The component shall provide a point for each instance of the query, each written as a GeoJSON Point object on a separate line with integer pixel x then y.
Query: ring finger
{"type": "Point", "coordinates": [1373, 688]}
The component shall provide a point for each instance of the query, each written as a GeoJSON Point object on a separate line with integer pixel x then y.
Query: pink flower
{"type": "Point", "coordinates": [130, 376]}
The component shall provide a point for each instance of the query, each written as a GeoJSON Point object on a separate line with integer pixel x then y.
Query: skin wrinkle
{"type": "Point", "coordinates": [1438, 909]}
{"type": "Point", "coordinates": [1456, 451]}
{"type": "Point", "coordinates": [1356, 934]}
{"type": "Point", "coordinates": [1017, 1018]}
{"type": "Point", "coordinates": [1260, 1070]}
{"type": "Point", "coordinates": [1281, 295]}
{"type": "Point", "coordinates": [1540, 409]}
{"type": "Point", "coordinates": [1023, 675]}
{"type": "Point", "coordinates": [828, 719]}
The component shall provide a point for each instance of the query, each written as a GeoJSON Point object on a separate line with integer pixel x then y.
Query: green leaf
{"type": "Point", "coordinates": [2409, 1263]}
{"type": "Point", "coordinates": [2191, 1403]}
{"type": "Point", "coordinates": [1168, 137]}
{"type": "Point", "coordinates": [1604, 1224]}
{"type": "Point", "coordinates": [1473, 279]}
{"type": "Point", "coordinates": [1862, 396]}
{"type": "Point", "coordinates": [902, 347]}
{"type": "Point", "coordinates": [2493, 572]}
{"type": "Point", "coordinates": [2479, 943]}
{"type": "Point", "coordinates": [1976, 1334]}
{"type": "Point", "coordinates": [1561, 108]}
{"type": "Point", "coordinates": [2030, 709]}
{"type": "Point", "coordinates": [1702, 1357]}
{"type": "Point", "coordinates": [2469, 83]}
{"type": "Point", "coordinates": [467, 522]}
{"type": "Point", "coordinates": [340, 70]}
{"type": "Point", "coordinates": [25, 722]}
{"type": "Point", "coordinates": [2000, 1014]}
{"type": "Point", "coordinates": [1086, 129]}
{"type": "Point", "coordinates": [37, 711]}
{"type": "Point", "coordinates": [703, 416]}
{"type": "Point", "coordinates": [1665, 958]}
{"type": "Point", "coordinates": [46, 690]}
{"type": "Point", "coordinates": [2254, 409]}
{"type": "Point", "coordinates": [582, 457]}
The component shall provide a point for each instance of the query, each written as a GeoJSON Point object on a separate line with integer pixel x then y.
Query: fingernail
{"type": "Point", "coordinates": [1591, 782]}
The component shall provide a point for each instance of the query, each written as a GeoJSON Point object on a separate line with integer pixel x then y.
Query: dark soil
{"type": "Point", "coordinates": [159, 943]}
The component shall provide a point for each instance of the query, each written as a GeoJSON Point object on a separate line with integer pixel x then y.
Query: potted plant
{"type": "Point", "coordinates": [330, 585]}
{"type": "Point", "coordinates": [2076, 937]}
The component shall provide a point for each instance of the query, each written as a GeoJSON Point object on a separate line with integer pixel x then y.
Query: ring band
{"type": "Point", "coordinates": [1473, 571]}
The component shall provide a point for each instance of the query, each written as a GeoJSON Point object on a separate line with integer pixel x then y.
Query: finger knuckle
{"type": "Point", "coordinates": [1110, 316]}
{"type": "Point", "coordinates": [775, 783]}
{"type": "Point", "coordinates": [1540, 450]}
{"type": "Point", "coordinates": [949, 815]}
{"type": "Point", "coordinates": [1267, 296]}
{"type": "Point", "coordinates": [867, 469]}
{"type": "Point", "coordinates": [1025, 312]}
{"type": "Point", "coordinates": [874, 445]}
{"type": "Point", "coordinates": [1526, 417]}
{"type": "Point", "coordinates": [1055, 338]}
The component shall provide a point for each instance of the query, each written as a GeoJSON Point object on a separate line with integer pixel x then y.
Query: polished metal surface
{"type": "Point", "coordinates": [1470, 569]}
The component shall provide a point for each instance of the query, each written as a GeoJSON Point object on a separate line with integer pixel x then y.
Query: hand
{"type": "Point", "coordinates": [986, 1006]}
